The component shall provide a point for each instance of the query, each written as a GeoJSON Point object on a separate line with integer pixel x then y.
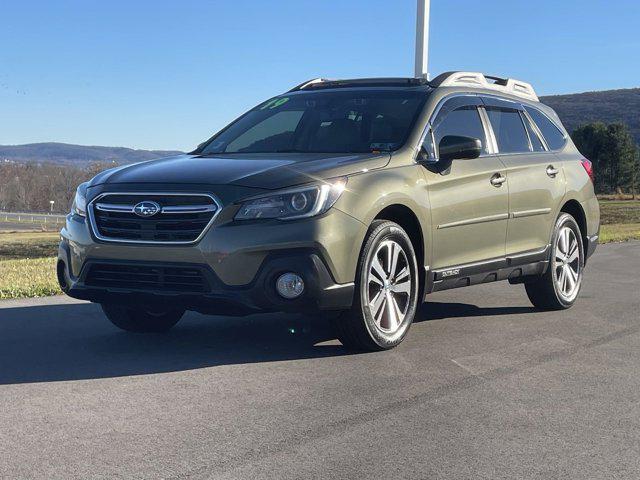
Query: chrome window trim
{"type": "Point", "coordinates": [428, 127]}
{"type": "Point", "coordinates": [490, 134]}
{"type": "Point", "coordinates": [537, 130]}
{"type": "Point", "coordinates": [96, 234]}
{"type": "Point", "coordinates": [491, 140]}
{"type": "Point", "coordinates": [521, 107]}
{"type": "Point", "coordinates": [526, 130]}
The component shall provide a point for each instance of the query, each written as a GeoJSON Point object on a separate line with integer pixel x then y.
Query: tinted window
{"type": "Point", "coordinates": [552, 134]}
{"type": "Point", "coordinates": [464, 121]}
{"type": "Point", "coordinates": [536, 143]}
{"type": "Point", "coordinates": [346, 121]}
{"type": "Point", "coordinates": [509, 130]}
{"type": "Point", "coordinates": [274, 132]}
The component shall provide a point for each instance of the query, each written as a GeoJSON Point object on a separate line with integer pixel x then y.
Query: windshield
{"type": "Point", "coordinates": [356, 121]}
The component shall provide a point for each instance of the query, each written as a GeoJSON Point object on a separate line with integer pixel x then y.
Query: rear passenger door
{"type": "Point", "coordinates": [469, 203]}
{"type": "Point", "coordinates": [535, 179]}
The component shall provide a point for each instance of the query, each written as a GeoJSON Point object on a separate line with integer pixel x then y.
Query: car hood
{"type": "Point", "coordinates": [268, 171]}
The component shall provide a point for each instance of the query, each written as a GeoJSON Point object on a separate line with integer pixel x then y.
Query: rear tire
{"type": "Point", "coordinates": [139, 320]}
{"type": "Point", "coordinates": [558, 288]}
{"type": "Point", "coordinates": [386, 293]}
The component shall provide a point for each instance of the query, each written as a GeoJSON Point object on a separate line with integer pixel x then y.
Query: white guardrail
{"type": "Point", "coordinates": [38, 218]}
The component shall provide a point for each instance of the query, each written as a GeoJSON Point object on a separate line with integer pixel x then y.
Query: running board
{"type": "Point", "coordinates": [515, 268]}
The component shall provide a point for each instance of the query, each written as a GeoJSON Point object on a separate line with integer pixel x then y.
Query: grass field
{"type": "Point", "coordinates": [28, 277]}
{"type": "Point", "coordinates": [620, 211]}
{"type": "Point", "coordinates": [28, 245]}
{"type": "Point", "coordinates": [620, 220]}
{"type": "Point", "coordinates": [27, 259]}
{"type": "Point", "coordinates": [619, 232]}
{"type": "Point", "coordinates": [27, 264]}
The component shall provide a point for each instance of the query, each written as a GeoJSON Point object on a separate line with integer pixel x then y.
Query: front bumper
{"type": "Point", "coordinates": [240, 264]}
{"type": "Point", "coordinates": [321, 292]}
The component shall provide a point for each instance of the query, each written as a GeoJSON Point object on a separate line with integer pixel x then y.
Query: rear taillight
{"type": "Point", "coordinates": [588, 166]}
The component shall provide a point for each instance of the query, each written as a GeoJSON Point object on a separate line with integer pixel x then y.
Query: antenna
{"type": "Point", "coordinates": [422, 39]}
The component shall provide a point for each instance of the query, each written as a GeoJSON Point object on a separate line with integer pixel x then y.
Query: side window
{"type": "Point", "coordinates": [552, 134]}
{"type": "Point", "coordinates": [273, 133]}
{"type": "Point", "coordinates": [536, 143]}
{"type": "Point", "coordinates": [464, 121]}
{"type": "Point", "coordinates": [509, 130]}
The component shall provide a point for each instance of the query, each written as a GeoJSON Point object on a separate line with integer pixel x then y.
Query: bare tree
{"type": "Point", "coordinates": [31, 187]}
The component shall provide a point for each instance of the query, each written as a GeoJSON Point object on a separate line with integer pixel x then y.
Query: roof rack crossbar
{"type": "Point", "coordinates": [479, 80]}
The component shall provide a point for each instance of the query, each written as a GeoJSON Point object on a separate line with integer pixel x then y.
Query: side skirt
{"type": "Point", "coordinates": [516, 268]}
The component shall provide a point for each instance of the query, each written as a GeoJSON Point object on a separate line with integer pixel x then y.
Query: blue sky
{"type": "Point", "coordinates": [165, 75]}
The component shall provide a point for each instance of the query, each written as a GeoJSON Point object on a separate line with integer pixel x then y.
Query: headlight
{"type": "Point", "coordinates": [79, 206]}
{"type": "Point", "coordinates": [295, 203]}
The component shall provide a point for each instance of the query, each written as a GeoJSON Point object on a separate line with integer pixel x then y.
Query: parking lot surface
{"type": "Point", "coordinates": [484, 387]}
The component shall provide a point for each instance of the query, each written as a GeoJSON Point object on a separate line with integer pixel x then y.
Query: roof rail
{"type": "Point", "coordinates": [303, 85]}
{"type": "Point", "coordinates": [479, 80]}
{"type": "Point", "coordinates": [361, 82]}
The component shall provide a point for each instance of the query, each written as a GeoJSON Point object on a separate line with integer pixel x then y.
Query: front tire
{"type": "Point", "coordinates": [558, 288]}
{"type": "Point", "coordinates": [386, 294]}
{"type": "Point", "coordinates": [139, 320]}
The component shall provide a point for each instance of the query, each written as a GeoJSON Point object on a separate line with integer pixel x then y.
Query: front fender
{"type": "Point", "coordinates": [370, 193]}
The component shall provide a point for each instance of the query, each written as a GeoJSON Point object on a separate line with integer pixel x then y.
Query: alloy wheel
{"type": "Point", "coordinates": [389, 286]}
{"type": "Point", "coordinates": [567, 266]}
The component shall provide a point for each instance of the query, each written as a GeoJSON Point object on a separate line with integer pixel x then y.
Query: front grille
{"type": "Point", "coordinates": [184, 279]}
{"type": "Point", "coordinates": [180, 218]}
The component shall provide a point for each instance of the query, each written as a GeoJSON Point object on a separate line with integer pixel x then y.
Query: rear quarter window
{"type": "Point", "coordinates": [536, 143]}
{"type": "Point", "coordinates": [552, 134]}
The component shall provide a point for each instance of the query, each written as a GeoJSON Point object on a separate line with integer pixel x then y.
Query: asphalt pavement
{"type": "Point", "coordinates": [484, 387]}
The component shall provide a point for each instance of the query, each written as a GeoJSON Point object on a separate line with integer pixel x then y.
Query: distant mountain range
{"type": "Point", "coordinates": [80, 155]}
{"type": "Point", "coordinates": [606, 106]}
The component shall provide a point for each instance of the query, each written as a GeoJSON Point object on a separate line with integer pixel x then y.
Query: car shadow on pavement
{"type": "Point", "coordinates": [75, 341]}
{"type": "Point", "coordinates": [441, 310]}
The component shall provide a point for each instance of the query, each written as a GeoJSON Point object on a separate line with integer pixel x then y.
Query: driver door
{"type": "Point", "coordinates": [469, 200]}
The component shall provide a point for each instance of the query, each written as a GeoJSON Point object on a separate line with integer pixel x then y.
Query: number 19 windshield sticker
{"type": "Point", "coordinates": [275, 103]}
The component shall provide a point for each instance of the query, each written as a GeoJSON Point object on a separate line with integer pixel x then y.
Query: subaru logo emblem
{"type": "Point", "coordinates": [146, 209]}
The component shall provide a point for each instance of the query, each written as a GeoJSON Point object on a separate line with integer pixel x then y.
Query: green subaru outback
{"type": "Point", "coordinates": [355, 198]}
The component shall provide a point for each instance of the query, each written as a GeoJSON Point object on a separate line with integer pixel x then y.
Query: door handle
{"type": "Point", "coordinates": [497, 180]}
{"type": "Point", "coordinates": [552, 171]}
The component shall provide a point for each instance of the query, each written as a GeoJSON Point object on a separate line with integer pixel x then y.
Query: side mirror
{"type": "Point", "coordinates": [455, 147]}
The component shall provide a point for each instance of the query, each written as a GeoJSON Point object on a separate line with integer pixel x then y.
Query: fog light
{"type": "Point", "coordinates": [290, 285]}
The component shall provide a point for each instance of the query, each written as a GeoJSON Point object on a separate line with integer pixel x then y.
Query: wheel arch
{"type": "Point", "coordinates": [397, 194]}
{"type": "Point", "coordinates": [410, 223]}
{"type": "Point", "coordinates": [574, 208]}
{"type": "Point", "coordinates": [408, 220]}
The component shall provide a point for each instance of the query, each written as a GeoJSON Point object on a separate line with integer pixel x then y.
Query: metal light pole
{"type": "Point", "coordinates": [422, 39]}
